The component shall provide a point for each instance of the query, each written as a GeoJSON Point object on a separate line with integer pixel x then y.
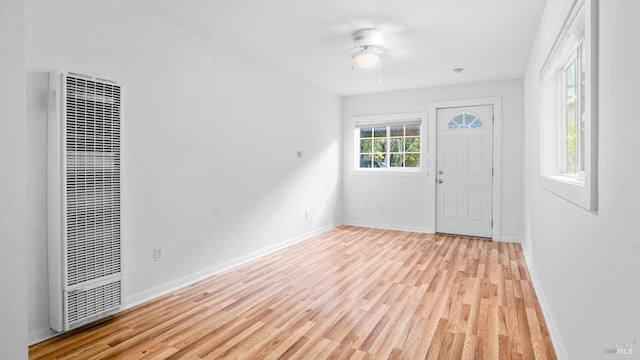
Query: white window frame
{"type": "Point", "coordinates": [381, 120]}
{"type": "Point", "coordinates": [578, 29]}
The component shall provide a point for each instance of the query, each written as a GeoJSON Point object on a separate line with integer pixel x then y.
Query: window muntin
{"type": "Point", "coordinates": [390, 147]}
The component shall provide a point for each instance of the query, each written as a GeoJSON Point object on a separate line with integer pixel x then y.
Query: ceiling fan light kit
{"type": "Point", "coordinates": [366, 59]}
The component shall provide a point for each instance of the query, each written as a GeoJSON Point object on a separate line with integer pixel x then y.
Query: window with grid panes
{"type": "Point", "coordinates": [389, 146]}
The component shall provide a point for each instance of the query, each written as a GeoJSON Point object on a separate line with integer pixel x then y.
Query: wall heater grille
{"type": "Point", "coordinates": [85, 262]}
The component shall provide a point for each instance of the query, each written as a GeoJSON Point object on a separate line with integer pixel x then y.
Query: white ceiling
{"type": "Point", "coordinates": [311, 39]}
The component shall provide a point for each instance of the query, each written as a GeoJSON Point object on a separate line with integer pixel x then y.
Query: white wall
{"type": "Point", "coordinates": [403, 202]}
{"type": "Point", "coordinates": [210, 166]}
{"type": "Point", "coordinates": [13, 274]}
{"type": "Point", "coordinates": [587, 265]}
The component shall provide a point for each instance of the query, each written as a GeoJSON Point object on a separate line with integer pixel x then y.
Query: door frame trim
{"type": "Point", "coordinates": [496, 233]}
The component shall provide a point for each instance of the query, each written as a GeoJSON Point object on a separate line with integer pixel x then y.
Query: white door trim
{"type": "Point", "coordinates": [497, 154]}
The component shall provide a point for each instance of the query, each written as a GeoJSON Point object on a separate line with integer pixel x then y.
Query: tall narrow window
{"type": "Point", "coordinates": [572, 125]}
{"type": "Point", "coordinates": [568, 137]}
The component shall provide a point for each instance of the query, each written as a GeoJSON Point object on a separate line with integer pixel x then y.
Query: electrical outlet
{"type": "Point", "coordinates": [157, 254]}
{"type": "Point", "coordinates": [306, 215]}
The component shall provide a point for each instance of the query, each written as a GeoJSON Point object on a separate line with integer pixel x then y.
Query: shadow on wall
{"type": "Point", "coordinates": [207, 190]}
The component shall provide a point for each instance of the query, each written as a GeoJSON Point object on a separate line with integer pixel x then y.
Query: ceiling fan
{"type": "Point", "coordinates": [368, 47]}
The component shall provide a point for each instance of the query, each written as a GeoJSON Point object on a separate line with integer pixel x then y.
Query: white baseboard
{"type": "Point", "coordinates": [141, 297]}
{"type": "Point", "coordinates": [556, 339]}
{"type": "Point", "coordinates": [390, 227]}
{"type": "Point", "coordinates": [144, 296]}
{"type": "Point", "coordinates": [42, 335]}
{"type": "Point", "coordinates": [510, 239]}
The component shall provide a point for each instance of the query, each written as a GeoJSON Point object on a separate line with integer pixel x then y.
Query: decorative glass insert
{"type": "Point", "coordinates": [465, 121]}
{"type": "Point", "coordinates": [391, 146]}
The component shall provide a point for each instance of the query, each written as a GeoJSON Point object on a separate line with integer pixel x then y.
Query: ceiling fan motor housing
{"type": "Point", "coordinates": [365, 38]}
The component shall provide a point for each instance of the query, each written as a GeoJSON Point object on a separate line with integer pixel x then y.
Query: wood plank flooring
{"type": "Point", "coordinates": [348, 293]}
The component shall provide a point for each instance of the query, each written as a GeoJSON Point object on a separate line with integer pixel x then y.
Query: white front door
{"type": "Point", "coordinates": [464, 170]}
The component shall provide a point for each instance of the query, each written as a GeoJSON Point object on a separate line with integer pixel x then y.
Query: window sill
{"type": "Point", "coordinates": [393, 173]}
{"type": "Point", "coordinates": [571, 189]}
{"type": "Point", "coordinates": [574, 180]}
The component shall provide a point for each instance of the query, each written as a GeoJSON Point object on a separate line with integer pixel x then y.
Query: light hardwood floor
{"type": "Point", "coordinates": [349, 293]}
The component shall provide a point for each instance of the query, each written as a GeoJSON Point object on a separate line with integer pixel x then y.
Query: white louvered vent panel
{"type": "Point", "coordinates": [93, 179]}
{"type": "Point", "coordinates": [84, 206]}
{"type": "Point", "coordinates": [87, 305]}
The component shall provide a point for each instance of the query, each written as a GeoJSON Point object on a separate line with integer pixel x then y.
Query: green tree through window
{"type": "Point", "coordinates": [392, 146]}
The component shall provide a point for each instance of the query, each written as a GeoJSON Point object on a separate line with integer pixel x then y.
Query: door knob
{"type": "Point", "coordinates": [440, 181]}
